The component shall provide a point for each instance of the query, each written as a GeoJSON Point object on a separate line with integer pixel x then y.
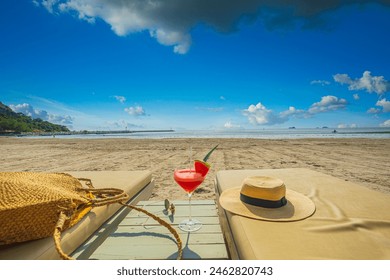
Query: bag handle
{"type": "Point", "coordinates": [103, 196]}
{"type": "Point", "coordinates": [63, 218]}
{"type": "Point", "coordinates": [106, 196]}
{"type": "Point", "coordinates": [163, 223]}
{"type": "Point", "coordinates": [57, 236]}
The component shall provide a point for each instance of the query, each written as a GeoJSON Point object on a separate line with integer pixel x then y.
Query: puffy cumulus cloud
{"type": "Point", "coordinates": [259, 115]}
{"type": "Point", "coordinates": [327, 103]}
{"type": "Point", "coordinates": [170, 21]}
{"type": "Point", "coordinates": [292, 111]}
{"type": "Point", "coordinates": [384, 104]}
{"type": "Point", "coordinates": [356, 96]}
{"type": "Point", "coordinates": [367, 82]}
{"type": "Point", "coordinates": [135, 111]}
{"type": "Point", "coordinates": [385, 124]}
{"type": "Point", "coordinates": [28, 110]}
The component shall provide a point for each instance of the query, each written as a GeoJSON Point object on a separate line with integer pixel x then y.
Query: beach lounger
{"type": "Point", "coordinates": [137, 184]}
{"type": "Point", "coordinates": [350, 221]}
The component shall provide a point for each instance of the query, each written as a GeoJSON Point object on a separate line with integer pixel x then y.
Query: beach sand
{"type": "Point", "coordinates": [362, 161]}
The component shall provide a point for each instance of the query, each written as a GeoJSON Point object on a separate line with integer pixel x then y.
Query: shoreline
{"type": "Point", "coordinates": [361, 160]}
{"type": "Point", "coordinates": [274, 133]}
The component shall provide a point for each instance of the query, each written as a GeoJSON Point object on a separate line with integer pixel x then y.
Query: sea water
{"type": "Point", "coordinates": [295, 133]}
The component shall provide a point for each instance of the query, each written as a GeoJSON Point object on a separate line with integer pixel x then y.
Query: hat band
{"type": "Point", "coordinates": [263, 202]}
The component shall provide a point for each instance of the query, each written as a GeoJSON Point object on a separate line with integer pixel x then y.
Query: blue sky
{"type": "Point", "coordinates": [109, 65]}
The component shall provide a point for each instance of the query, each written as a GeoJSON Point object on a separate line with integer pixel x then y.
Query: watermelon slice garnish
{"type": "Point", "coordinates": [201, 166]}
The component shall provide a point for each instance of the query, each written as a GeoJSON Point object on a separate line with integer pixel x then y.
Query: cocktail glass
{"type": "Point", "coordinates": [189, 180]}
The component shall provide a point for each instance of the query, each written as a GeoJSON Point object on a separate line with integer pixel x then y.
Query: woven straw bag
{"type": "Point", "coordinates": [35, 205]}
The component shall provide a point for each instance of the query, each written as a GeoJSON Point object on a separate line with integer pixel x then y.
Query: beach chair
{"type": "Point", "coordinates": [350, 221]}
{"type": "Point", "coordinates": [137, 184]}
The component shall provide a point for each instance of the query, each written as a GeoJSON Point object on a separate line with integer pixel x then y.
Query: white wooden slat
{"type": "Point", "coordinates": [213, 220]}
{"type": "Point", "coordinates": [143, 237]}
{"type": "Point", "coordinates": [138, 237]}
{"type": "Point", "coordinates": [209, 251]}
{"type": "Point", "coordinates": [205, 229]}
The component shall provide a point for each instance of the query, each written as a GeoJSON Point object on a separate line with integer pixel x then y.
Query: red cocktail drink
{"type": "Point", "coordinates": [188, 179]}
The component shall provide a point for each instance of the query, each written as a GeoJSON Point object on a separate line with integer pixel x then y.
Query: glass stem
{"type": "Point", "coordinates": [189, 200]}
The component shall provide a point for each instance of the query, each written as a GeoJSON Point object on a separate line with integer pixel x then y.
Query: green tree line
{"type": "Point", "coordinates": [17, 123]}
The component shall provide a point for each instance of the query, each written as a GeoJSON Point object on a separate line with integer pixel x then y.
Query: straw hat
{"type": "Point", "coordinates": [266, 198]}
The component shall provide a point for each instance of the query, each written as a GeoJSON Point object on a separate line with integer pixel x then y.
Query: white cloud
{"type": "Point", "coordinates": [356, 96]}
{"type": "Point", "coordinates": [120, 98]}
{"type": "Point", "coordinates": [327, 103]}
{"type": "Point", "coordinates": [180, 41]}
{"type": "Point", "coordinates": [229, 125]}
{"type": "Point", "coordinates": [63, 120]}
{"type": "Point", "coordinates": [320, 82]}
{"type": "Point", "coordinates": [384, 104]}
{"type": "Point", "coordinates": [373, 111]}
{"type": "Point", "coordinates": [371, 84]}
{"type": "Point", "coordinates": [28, 110]}
{"type": "Point", "coordinates": [135, 111]}
{"type": "Point", "coordinates": [385, 124]}
{"type": "Point", "coordinates": [170, 21]}
{"type": "Point", "coordinates": [342, 125]}
{"type": "Point", "coordinates": [292, 111]}
{"type": "Point", "coordinates": [342, 79]}
{"type": "Point", "coordinates": [35, 2]}
{"type": "Point", "coordinates": [48, 4]}
{"type": "Point", "coordinates": [260, 115]}
{"type": "Point", "coordinates": [122, 125]}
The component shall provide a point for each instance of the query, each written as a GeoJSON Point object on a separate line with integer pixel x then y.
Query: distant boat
{"type": "Point", "coordinates": [291, 127]}
{"type": "Point", "coordinates": [334, 131]}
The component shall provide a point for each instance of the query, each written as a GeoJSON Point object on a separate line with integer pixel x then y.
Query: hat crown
{"type": "Point", "coordinates": [266, 198]}
{"type": "Point", "coordinates": [263, 187]}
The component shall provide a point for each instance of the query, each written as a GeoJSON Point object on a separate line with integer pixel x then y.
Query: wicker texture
{"type": "Point", "coordinates": [35, 205]}
{"type": "Point", "coordinates": [31, 202]}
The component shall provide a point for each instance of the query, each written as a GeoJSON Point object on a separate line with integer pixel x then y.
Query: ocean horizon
{"type": "Point", "coordinates": [284, 133]}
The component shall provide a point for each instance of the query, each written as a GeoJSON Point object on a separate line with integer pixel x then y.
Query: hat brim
{"type": "Point", "coordinates": [298, 207]}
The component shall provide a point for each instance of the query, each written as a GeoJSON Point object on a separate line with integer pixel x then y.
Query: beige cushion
{"type": "Point", "coordinates": [350, 222]}
{"type": "Point", "coordinates": [133, 182]}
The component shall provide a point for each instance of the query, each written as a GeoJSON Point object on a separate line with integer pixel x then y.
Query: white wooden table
{"type": "Point", "coordinates": [132, 235]}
